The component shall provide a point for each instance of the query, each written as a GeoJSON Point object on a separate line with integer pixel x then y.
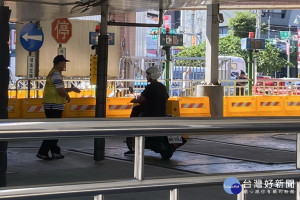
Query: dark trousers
{"type": "Point", "coordinates": [50, 145]}
{"type": "Point", "coordinates": [240, 92]}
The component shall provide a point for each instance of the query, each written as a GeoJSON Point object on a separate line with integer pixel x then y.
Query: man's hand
{"type": "Point", "coordinates": [75, 89]}
{"type": "Point", "coordinates": [68, 99]}
{"type": "Point", "coordinates": [139, 99]}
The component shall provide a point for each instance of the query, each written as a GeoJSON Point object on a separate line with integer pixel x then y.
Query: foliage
{"type": "Point", "coordinates": [242, 24]}
{"type": "Point", "coordinates": [268, 60]}
{"type": "Point", "coordinates": [228, 46]}
{"type": "Point", "coordinates": [231, 46]}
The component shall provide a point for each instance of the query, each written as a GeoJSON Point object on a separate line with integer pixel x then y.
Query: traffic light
{"type": "Point", "coordinates": [153, 32]}
{"type": "Point", "coordinates": [167, 30]}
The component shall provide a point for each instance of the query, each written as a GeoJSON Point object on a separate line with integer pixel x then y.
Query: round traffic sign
{"type": "Point", "coordinates": [31, 37]}
{"type": "Point", "coordinates": [61, 30]}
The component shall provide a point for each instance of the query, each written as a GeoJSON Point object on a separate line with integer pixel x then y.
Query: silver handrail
{"type": "Point", "coordinates": [53, 128]}
{"type": "Point", "coordinates": [125, 186]}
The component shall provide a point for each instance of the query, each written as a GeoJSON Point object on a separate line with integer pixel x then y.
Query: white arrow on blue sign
{"type": "Point", "coordinates": [31, 37]}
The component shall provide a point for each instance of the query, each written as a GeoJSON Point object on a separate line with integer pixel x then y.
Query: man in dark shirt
{"type": "Point", "coordinates": [240, 91]}
{"type": "Point", "coordinates": [154, 98]}
{"type": "Point", "coordinates": [153, 101]}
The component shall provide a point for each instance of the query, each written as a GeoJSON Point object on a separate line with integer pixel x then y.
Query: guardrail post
{"type": "Point", "coordinates": [139, 157]}
{"type": "Point", "coordinates": [298, 151]}
{"type": "Point", "coordinates": [174, 194]}
{"type": "Point", "coordinates": [298, 191]}
{"type": "Point", "coordinates": [99, 197]}
{"type": "Point", "coordinates": [241, 195]}
{"type": "Point", "coordinates": [3, 163]}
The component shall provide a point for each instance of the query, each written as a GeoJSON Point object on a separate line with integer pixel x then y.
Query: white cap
{"type": "Point", "coordinates": [154, 72]}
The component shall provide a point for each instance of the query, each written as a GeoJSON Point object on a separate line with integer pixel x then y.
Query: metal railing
{"type": "Point", "coordinates": [100, 189]}
{"type": "Point", "coordinates": [178, 87]}
{"type": "Point", "coordinates": [33, 88]}
{"type": "Point", "coordinates": [45, 128]}
{"type": "Point", "coordinates": [263, 87]}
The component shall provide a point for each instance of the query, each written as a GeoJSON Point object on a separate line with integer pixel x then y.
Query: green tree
{"type": "Point", "coordinates": [228, 46]}
{"type": "Point", "coordinates": [269, 60]}
{"type": "Point", "coordinates": [242, 24]}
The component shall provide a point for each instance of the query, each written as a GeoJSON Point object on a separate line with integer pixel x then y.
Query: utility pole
{"type": "Point", "coordinates": [99, 143]}
{"type": "Point", "coordinates": [288, 52]}
{"type": "Point", "coordinates": [252, 72]}
{"type": "Point", "coordinates": [4, 79]}
{"type": "Point", "coordinates": [269, 27]}
{"type": "Point", "coordinates": [258, 24]}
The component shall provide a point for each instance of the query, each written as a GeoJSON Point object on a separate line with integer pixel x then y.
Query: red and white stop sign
{"type": "Point", "coordinates": [61, 30]}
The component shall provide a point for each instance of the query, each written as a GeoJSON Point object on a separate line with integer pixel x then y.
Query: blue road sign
{"type": "Point", "coordinates": [31, 37]}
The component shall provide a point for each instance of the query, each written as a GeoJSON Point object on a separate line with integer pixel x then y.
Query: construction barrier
{"type": "Point", "coordinates": [13, 109]}
{"type": "Point", "coordinates": [257, 106]}
{"type": "Point", "coordinates": [292, 105]}
{"type": "Point", "coordinates": [239, 106]}
{"type": "Point", "coordinates": [194, 107]}
{"type": "Point", "coordinates": [31, 108]}
{"type": "Point", "coordinates": [270, 106]}
{"type": "Point", "coordinates": [21, 94]}
{"type": "Point", "coordinates": [80, 107]}
{"type": "Point", "coordinates": [234, 106]}
{"type": "Point", "coordinates": [115, 107]}
{"type": "Point", "coordinates": [173, 107]}
{"type": "Point", "coordinates": [12, 94]}
{"type": "Point", "coordinates": [118, 107]}
{"type": "Point", "coordinates": [83, 94]}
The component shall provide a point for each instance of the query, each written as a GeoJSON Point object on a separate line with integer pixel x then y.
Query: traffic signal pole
{"type": "Point", "coordinates": [99, 143]}
{"type": "Point", "coordinates": [167, 49]}
{"type": "Point", "coordinates": [4, 81]}
{"type": "Point", "coordinates": [250, 62]}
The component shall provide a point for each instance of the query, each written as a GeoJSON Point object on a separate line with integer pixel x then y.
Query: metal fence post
{"type": "Point", "coordinates": [139, 157]}
{"type": "Point", "coordinates": [241, 195]}
{"type": "Point", "coordinates": [99, 197]}
{"type": "Point", "coordinates": [297, 150]}
{"type": "Point", "coordinates": [174, 194]}
{"type": "Point", "coordinates": [298, 191]}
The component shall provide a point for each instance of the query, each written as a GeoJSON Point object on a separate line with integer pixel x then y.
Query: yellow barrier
{"type": "Point", "coordinates": [194, 107]}
{"type": "Point", "coordinates": [118, 107]}
{"type": "Point", "coordinates": [31, 108]}
{"type": "Point", "coordinates": [173, 107]}
{"type": "Point", "coordinates": [261, 106]}
{"type": "Point", "coordinates": [292, 105]}
{"type": "Point", "coordinates": [238, 106]}
{"type": "Point", "coordinates": [83, 94]}
{"type": "Point", "coordinates": [12, 94]}
{"type": "Point", "coordinates": [81, 107]}
{"type": "Point", "coordinates": [180, 107]}
{"type": "Point", "coordinates": [270, 106]}
{"type": "Point", "coordinates": [22, 94]}
{"type": "Point", "coordinates": [36, 94]}
{"type": "Point", "coordinates": [13, 109]}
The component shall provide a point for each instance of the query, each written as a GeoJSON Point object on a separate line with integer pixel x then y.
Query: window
{"type": "Point", "coordinates": [274, 13]}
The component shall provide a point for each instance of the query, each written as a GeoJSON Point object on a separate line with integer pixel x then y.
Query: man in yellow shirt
{"type": "Point", "coordinates": [54, 99]}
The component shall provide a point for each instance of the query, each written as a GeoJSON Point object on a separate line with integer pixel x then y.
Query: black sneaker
{"type": "Point", "coordinates": [129, 153]}
{"type": "Point", "coordinates": [43, 157]}
{"type": "Point", "coordinates": [57, 156]}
